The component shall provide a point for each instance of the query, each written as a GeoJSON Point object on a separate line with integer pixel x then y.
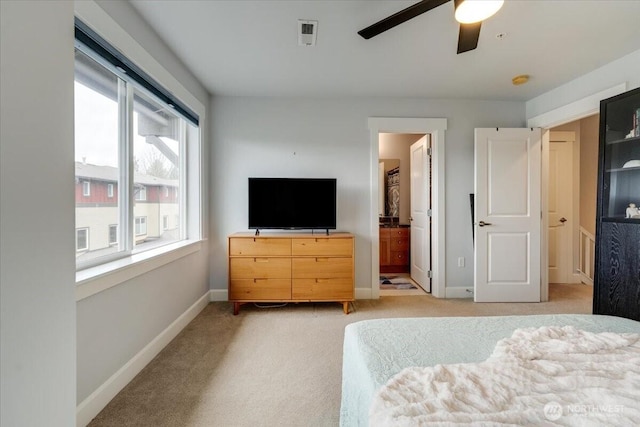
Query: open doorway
{"type": "Point", "coordinates": [435, 128]}
{"type": "Point", "coordinates": [571, 204]}
{"type": "Point", "coordinates": [404, 202]}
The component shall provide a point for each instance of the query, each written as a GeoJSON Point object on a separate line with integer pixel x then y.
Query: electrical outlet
{"type": "Point", "coordinates": [461, 261]}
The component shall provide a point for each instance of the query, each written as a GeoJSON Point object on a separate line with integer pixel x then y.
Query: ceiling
{"type": "Point", "coordinates": [250, 48]}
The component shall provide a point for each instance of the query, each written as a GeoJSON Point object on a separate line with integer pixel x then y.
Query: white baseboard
{"type": "Point", "coordinates": [458, 292]}
{"type": "Point", "coordinates": [96, 401]}
{"type": "Point", "coordinates": [218, 295]}
{"type": "Point", "coordinates": [363, 293]}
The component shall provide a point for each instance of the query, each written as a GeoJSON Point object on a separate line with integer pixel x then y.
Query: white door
{"type": "Point", "coordinates": [560, 207]}
{"type": "Point", "coordinates": [420, 219]}
{"type": "Point", "coordinates": [507, 215]}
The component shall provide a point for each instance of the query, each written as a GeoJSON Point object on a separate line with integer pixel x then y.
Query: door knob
{"type": "Point", "coordinates": [482, 223]}
{"type": "Point", "coordinates": [563, 220]}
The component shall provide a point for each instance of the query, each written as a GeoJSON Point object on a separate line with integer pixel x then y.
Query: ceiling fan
{"type": "Point", "coordinates": [470, 14]}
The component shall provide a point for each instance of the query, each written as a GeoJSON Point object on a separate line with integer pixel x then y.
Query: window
{"type": "Point", "coordinates": [86, 188]}
{"type": "Point", "coordinates": [140, 192]}
{"type": "Point", "coordinates": [82, 239]}
{"type": "Point", "coordinates": [120, 109]}
{"type": "Point", "coordinates": [113, 234]}
{"type": "Point", "coordinates": [141, 225]}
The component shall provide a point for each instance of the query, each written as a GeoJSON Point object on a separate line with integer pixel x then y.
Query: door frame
{"type": "Point", "coordinates": [436, 128]}
{"type": "Point", "coordinates": [579, 109]}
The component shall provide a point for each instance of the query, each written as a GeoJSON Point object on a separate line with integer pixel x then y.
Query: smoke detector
{"type": "Point", "coordinates": [307, 32]}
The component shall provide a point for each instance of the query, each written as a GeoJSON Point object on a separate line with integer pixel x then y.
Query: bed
{"type": "Point", "coordinates": [376, 350]}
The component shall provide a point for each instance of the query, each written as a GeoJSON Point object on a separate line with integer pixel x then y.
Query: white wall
{"type": "Point", "coordinates": [330, 137]}
{"type": "Point", "coordinates": [623, 70]}
{"type": "Point", "coordinates": [37, 263]}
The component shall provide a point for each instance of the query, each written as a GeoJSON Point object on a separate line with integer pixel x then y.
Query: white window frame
{"type": "Point", "coordinates": [86, 248]}
{"type": "Point", "coordinates": [165, 222]}
{"type": "Point", "coordinates": [166, 191]}
{"type": "Point", "coordinates": [110, 190]}
{"type": "Point", "coordinates": [86, 188]}
{"type": "Point", "coordinates": [97, 278]}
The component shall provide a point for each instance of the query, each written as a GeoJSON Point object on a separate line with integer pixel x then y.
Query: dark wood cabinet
{"type": "Point", "coordinates": [617, 269]}
{"type": "Point", "coordinates": [394, 249]}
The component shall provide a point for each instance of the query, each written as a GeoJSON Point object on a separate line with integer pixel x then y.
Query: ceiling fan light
{"type": "Point", "coordinates": [470, 11]}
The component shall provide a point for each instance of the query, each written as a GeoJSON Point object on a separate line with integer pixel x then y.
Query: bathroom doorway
{"type": "Point", "coordinates": [403, 209]}
{"type": "Point", "coordinates": [436, 129]}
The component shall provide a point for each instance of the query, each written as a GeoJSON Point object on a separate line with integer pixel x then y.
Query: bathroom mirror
{"type": "Point", "coordinates": [389, 179]}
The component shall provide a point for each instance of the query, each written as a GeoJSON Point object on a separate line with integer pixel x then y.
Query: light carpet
{"type": "Point", "coordinates": [278, 366]}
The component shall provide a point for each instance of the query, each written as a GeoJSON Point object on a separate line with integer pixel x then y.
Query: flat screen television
{"type": "Point", "coordinates": [292, 203]}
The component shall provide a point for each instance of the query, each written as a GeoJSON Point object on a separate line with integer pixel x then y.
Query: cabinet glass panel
{"type": "Point", "coordinates": [621, 179]}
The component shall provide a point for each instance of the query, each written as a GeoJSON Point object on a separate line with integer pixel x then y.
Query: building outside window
{"type": "Point", "coordinates": [113, 234]}
{"type": "Point", "coordinates": [140, 192]}
{"type": "Point", "coordinates": [141, 225]}
{"type": "Point", "coordinates": [117, 112]}
{"type": "Point", "coordinates": [82, 239]}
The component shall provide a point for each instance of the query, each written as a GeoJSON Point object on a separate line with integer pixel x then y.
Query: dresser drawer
{"type": "Point", "coordinates": [399, 243]}
{"type": "Point", "coordinates": [399, 258]}
{"type": "Point", "coordinates": [322, 267]}
{"type": "Point", "coordinates": [402, 232]}
{"type": "Point", "coordinates": [260, 289]}
{"type": "Point", "coordinates": [259, 246]}
{"type": "Point", "coordinates": [322, 289]}
{"type": "Point", "coordinates": [322, 246]}
{"type": "Point", "coordinates": [260, 267]}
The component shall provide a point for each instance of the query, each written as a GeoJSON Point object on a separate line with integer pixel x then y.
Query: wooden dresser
{"type": "Point", "coordinates": [394, 249]}
{"type": "Point", "coordinates": [301, 267]}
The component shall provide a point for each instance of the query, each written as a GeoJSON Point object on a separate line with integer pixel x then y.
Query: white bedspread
{"type": "Point", "coordinates": [543, 376]}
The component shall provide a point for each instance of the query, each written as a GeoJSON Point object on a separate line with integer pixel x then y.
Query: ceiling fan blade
{"type": "Point", "coordinates": [400, 17]}
{"type": "Point", "coordinates": [468, 37]}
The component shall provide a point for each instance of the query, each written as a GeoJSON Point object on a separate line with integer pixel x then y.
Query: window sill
{"type": "Point", "coordinates": [96, 279]}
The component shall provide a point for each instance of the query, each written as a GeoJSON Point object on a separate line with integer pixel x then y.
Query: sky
{"type": "Point", "coordinates": [96, 130]}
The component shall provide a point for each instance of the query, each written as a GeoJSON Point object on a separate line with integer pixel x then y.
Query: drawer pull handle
{"type": "Point", "coordinates": [261, 260]}
{"type": "Point", "coordinates": [256, 280]}
{"type": "Point", "coordinates": [322, 280]}
{"type": "Point", "coordinates": [322, 259]}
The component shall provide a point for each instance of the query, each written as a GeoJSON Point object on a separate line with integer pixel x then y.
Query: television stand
{"type": "Point", "coordinates": [326, 231]}
{"type": "Point", "coordinates": [291, 268]}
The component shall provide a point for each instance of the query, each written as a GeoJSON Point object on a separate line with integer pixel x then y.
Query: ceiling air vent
{"type": "Point", "coordinates": [307, 32]}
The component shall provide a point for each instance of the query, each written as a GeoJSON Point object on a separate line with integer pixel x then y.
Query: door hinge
{"type": "Point", "coordinates": [429, 151]}
{"type": "Point", "coordinates": [429, 212]}
{"type": "Point", "coordinates": [430, 274]}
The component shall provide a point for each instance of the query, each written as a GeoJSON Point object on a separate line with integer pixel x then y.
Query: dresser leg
{"type": "Point", "coordinates": [345, 307]}
{"type": "Point", "coordinates": [236, 308]}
